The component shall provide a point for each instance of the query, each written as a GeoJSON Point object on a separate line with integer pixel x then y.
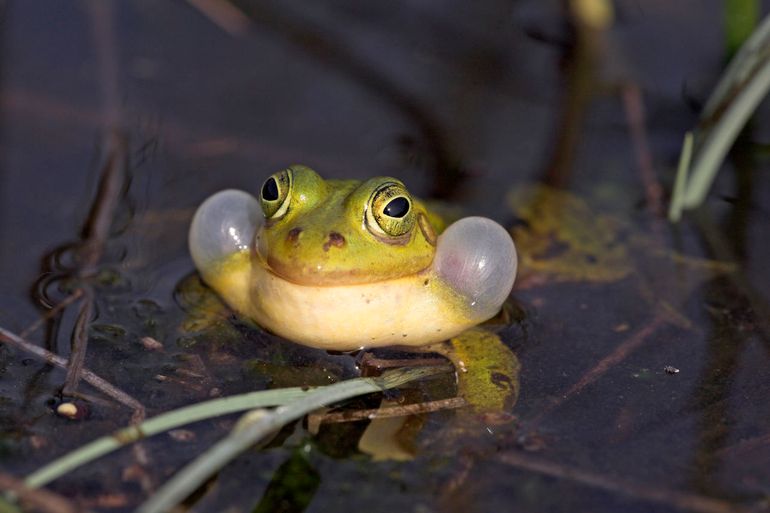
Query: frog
{"type": "Point", "coordinates": [345, 265]}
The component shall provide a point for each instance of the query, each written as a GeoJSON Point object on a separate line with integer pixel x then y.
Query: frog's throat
{"type": "Point", "coordinates": [409, 311]}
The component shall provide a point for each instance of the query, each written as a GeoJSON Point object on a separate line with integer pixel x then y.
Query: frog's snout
{"type": "Point", "coordinates": [477, 257]}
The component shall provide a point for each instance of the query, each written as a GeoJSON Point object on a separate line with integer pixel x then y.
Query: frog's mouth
{"type": "Point", "coordinates": [320, 274]}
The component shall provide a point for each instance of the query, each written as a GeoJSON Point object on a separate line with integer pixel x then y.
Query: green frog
{"type": "Point", "coordinates": [346, 264]}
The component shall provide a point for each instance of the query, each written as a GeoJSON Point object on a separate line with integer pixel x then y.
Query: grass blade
{"type": "Point", "coordinates": [258, 423]}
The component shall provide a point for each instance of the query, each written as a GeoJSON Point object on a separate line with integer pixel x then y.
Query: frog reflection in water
{"type": "Point", "coordinates": [344, 264]}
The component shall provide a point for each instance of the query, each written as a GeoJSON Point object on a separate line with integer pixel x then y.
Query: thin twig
{"type": "Point", "coordinates": [101, 384]}
{"type": "Point", "coordinates": [394, 411]}
{"type": "Point", "coordinates": [79, 343]}
{"type": "Point", "coordinates": [42, 500]}
{"type": "Point", "coordinates": [111, 183]}
{"type": "Point", "coordinates": [102, 15]}
{"type": "Point", "coordinates": [620, 353]}
{"type": "Point", "coordinates": [745, 447]}
{"type": "Point", "coordinates": [113, 174]}
{"type": "Point", "coordinates": [680, 500]}
{"type": "Point", "coordinates": [385, 363]}
{"type": "Point", "coordinates": [224, 15]}
{"type": "Point", "coordinates": [50, 314]}
{"type": "Point", "coordinates": [110, 191]}
{"type": "Point", "coordinates": [653, 190]}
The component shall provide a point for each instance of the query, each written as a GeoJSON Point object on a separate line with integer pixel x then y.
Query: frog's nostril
{"type": "Point", "coordinates": [335, 239]}
{"type": "Point", "coordinates": [293, 236]}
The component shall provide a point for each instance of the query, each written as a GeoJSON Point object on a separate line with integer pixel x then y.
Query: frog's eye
{"type": "Point", "coordinates": [274, 195]}
{"type": "Point", "coordinates": [390, 210]}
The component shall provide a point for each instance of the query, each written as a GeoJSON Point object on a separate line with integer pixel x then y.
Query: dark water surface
{"type": "Point", "coordinates": [461, 100]}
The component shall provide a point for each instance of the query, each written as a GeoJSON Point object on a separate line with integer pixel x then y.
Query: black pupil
{"type": "Point", "coordinates": [397, 207]}
{"type": "Point", "coordinates": [270, 190]}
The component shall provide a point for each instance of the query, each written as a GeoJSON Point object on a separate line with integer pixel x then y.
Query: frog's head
{"type": "Point", "coordinates": [319, 232]}
{"type": "Point", "coordinates": [330, 238]}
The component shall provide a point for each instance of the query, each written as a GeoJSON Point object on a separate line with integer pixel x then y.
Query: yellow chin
{"type": "Point", "coordinates": [409, 311]}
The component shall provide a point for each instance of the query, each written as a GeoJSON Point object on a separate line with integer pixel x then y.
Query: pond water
{"type": "Point", "coordinates": [644, 346]}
